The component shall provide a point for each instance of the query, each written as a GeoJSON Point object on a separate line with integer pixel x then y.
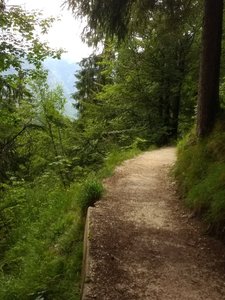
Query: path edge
{"type": "Point", "coordinates": [86, 256]}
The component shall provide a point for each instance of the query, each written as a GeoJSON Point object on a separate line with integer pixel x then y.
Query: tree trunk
{"type": "Point", "coordinates": [208, 98]}
{"type": "Point", "coordinates": [175, 114]}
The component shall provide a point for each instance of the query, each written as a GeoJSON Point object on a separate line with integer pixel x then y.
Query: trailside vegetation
{"type": "Point", "coordinates": [200, 166]}
{"type": "Point", "coordinates": [140, 90]}
{"type": "Point", "coordinates": [51, 168]}
{"type": "Point", "coordinates": [200, 173]}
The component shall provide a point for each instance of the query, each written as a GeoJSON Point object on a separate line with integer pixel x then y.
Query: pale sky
{"type": "Point", "coordinates": [65, 33]}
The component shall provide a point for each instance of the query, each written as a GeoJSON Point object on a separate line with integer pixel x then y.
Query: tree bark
{"type": "Point", "coordinates": [208, 98]}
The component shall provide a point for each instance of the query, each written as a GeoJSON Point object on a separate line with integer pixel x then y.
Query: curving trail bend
{"type": "Point", "coordinates": [142, 243]}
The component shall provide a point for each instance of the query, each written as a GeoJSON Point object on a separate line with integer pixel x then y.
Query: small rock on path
{"type": "Point", "coordinates": [142, 245]}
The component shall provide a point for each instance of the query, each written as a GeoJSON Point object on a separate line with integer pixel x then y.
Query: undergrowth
{"type": "Point", "coordinates": [41, 228]}
{"type": "Point", "coordinates": [42, 254]}
{"type": "Point", "coordinates": [200, 172]}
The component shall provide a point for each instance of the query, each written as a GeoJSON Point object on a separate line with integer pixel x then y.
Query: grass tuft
{"type": "Point", "coordinates": [91, 191]}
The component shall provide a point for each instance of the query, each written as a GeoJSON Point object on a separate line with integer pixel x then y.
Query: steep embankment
{"type": "Point", "coordinates": [142, 243]}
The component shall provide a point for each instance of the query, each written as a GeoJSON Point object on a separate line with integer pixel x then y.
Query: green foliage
{"type": "Point", "coordinates": [22, 54]}
{"type": "Point", "coordinates": [91, 191]}
{"type": "Point", "coordinates": [132, 95]}
{"type": "Point", "coordinates": [145, 87]}
{"type": "Point", "coordinates": [41, 255]}
{"type": "Point", "coordinates": [22, 51]}
{"type": "Point", "coordinates": [200, 170]}
{"type": "Point", "coordinates": [20, 39]}
{"type": "Point", "coordinates": [42, 231]}
{"type": "Point", "coordinates": [124, 18]}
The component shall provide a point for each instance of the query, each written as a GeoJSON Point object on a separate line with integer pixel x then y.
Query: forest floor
{"type": "Point", "coordinates": [144, 244]}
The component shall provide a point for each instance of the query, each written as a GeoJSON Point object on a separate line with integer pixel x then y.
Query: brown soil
{"type": "Point", "coordinates": [143, 244]}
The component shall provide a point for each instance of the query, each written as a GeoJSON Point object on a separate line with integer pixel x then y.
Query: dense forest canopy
{"type": "Point", "coordinates": [128, 18]}
{"type": "Point", "coordinates": [146, 65]}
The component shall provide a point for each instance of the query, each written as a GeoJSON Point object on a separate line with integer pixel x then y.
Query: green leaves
{"type": "Point", "coordinates": [20, 39]}
{"type": "Point", "coordinates": [21, 51]}
{"type": "Point", "coordinates": [25, 100]}
{"type": "Point", "coordinates": [122, 19]}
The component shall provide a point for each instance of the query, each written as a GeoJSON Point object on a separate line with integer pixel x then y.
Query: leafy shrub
{"type": "Point", "coordinates": [140, 144]}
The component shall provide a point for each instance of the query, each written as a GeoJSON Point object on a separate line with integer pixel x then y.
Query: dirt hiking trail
{"type": "Point", "coordinates": [142, 243]}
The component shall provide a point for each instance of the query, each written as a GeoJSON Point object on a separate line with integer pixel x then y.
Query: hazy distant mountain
{"type": "Point", "coordinates": [62, 72]}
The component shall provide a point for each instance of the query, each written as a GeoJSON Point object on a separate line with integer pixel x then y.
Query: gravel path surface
{"type": "Point", "coordinates": [142, 243]}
